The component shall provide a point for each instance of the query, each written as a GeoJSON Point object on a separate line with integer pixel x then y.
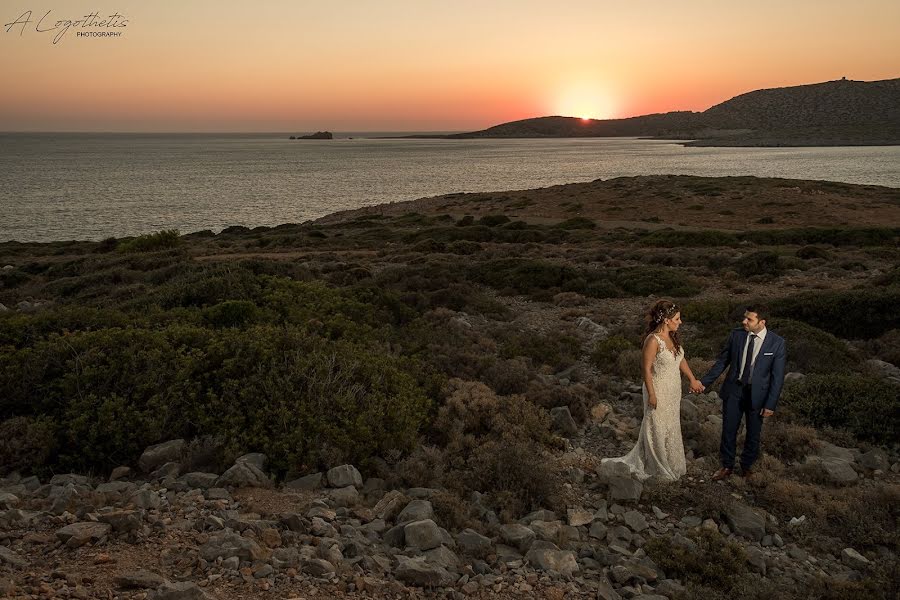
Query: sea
{"type": "Point", "coordinates": [80, 186]}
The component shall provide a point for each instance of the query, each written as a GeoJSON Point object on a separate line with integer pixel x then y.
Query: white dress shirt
{"type": "Point", "coordinates": [756, 346]}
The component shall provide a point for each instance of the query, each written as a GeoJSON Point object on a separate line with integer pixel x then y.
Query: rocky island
{"type": "Point", "coordinates": [319, 135]}
{"type": "Point", "coordinates": [411, 400]}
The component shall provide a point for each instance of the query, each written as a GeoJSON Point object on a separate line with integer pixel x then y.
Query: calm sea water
{"type": "Point", "coordinates": [92, 186]}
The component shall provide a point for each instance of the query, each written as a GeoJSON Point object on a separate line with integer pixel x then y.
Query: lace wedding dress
{"type": "Point", "coordinates": [659, 451]}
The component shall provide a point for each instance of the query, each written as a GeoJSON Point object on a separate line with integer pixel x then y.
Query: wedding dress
{"type": "Point", "coordinates": [659, 451]}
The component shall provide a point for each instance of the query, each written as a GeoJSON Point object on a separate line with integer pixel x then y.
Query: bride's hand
{"type": "Point", "coordinates": [651, 401]}
{"type": "Point", "coordinates": [697, 387]}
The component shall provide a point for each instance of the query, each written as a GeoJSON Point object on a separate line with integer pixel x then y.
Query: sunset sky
{"type": "Point", "coordinates": [419, 65]}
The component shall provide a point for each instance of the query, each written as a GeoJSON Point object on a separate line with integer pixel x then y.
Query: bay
{"type": "Point", "coordinates": [92, 186]}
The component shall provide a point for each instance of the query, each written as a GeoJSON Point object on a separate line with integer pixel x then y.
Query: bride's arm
{"type": "Point", "coordinates": [696, 386]}
{"type": "Point", "coordinates": [647, 356]}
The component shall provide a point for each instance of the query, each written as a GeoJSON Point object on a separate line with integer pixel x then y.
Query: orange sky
{"type": "Point", "coordinates": [408, 65]}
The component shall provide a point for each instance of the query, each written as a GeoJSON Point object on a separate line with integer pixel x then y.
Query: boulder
{"type": "Point", "coordinates": [159, 454]}
{"type": "Point", "coordinates": [308, 482]}
{"type": "Point", "coordinates": [417, 572]}
{"type": "Point", "coordinates": [518, 536]}
{"type": "Point", "coordinates": [626, 489]}
{"type": "Point", "coordinates": [744, 521]}
{"type": "Point", "coordinates": [416, 510]}
{"type": "Point", "coordinates": [554, 561]}
{"type": "Point", "coordinates": [317, 566]}
{"type": "Point", "coordinates": [79, 534]}
{"type": "Point", "coordinates": [140, 579]}
{"type": "Point", "coordinates": [202, 481]}
{"type": "Point", "coordinates": [345, 496]}
{"type": "Point", "coordinates": [835, 470]}
{"type": "Point", "coordinates": [121, 521]}
{"type": "Point", "coordinates": [182, 590]}
{"type": "Point", "coordinates": [244, 474]}
{"type": "Point", "coordinates": [9, 557]}
{"type": "Point", "coordinates": [875, 459]}
{"type": "Point", "coordinates": [635, 520]}
{"type": "Point", "coordinates": [562, 421]}
{"type": "Point", "coordinates": [257, 459]}
{"type": "Point", "coordinates": [579, 516]}
{"type": "Point", "coordinates": [389, 506]}
{"type": "Point", "coordinates": [227, 544]}
{"type": "Point", "coordinates": [343, 476]}
{"type": "Point", "coordinates": [854, 559]}
{"type": "Point", "coordinates": [422, 535]}
{"type": "Point", "coordinates": [472, 543]}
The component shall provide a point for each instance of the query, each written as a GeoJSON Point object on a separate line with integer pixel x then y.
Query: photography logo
{"type": "Point", "coordinates": [90, 26]}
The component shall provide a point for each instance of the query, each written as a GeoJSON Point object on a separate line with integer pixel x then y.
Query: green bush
{"type": "Point", "coordinates": [763, 262]}
{"type": "Point", "coordinates": [493, 220]}
{"type": "Point", "coordinates": [26, 444]}
{"type": "Point", "coordinates": [577, 223]}
{"type": "Point", "coordinates": [669, 238]}
{"type": "Point", "coordinates": [644, 281]}
{"type": "Point", "coordinates": [843, 236]}
{"type": "Point", "coordinates": [851, 314]}
{"type": "Point", "coordinates": [811, 350]}
{"type": "Point", "coordinates": [150, 242]}
{"type": "Point", "coordinates": [867, 407]}
{"type": "Point", "coordinates": [231, 313]}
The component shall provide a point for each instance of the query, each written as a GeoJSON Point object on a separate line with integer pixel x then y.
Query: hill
{"type": "Point", "coordinates": [840, 112]}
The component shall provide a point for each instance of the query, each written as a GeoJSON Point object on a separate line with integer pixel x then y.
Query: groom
{"type": "Point", "coordinates": [751, 388]}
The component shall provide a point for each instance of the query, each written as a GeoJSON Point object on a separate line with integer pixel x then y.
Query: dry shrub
{"type": "Point", "coordinates": [508, 376]}
{"type": "Point", "coordinates": [424, 467]}
{"type": "Point", "coordinates": [454, 513]}
{"type": "Point", "coordinates": [569, 299]}
{"type": "Point", "coordinates": [789, 441]}
{"type": "Point", "coordinates": [710, 561]}
{"type": "Point", "coordinates": [26, 444]}
{"type": "Point", "coordinates": [577, 397]}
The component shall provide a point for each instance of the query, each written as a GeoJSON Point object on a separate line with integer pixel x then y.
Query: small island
{"type": "Point", "coordinates": [319, 135]}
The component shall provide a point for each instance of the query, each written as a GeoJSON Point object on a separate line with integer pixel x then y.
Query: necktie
{"type": "Point", "coordinates": [748, 360]}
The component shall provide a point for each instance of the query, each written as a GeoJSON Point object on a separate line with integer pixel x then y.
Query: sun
{"type": "Point", "coordinates": [586, 101]}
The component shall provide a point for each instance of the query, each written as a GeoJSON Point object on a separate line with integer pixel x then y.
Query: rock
{"type": "Point", "coordinates": [4, 308]}
{"type": "Point", "coordinates": [793, 377]}
{"type": "Point", "coordinates": [635, 520]}
{"type": "Point", "coordinates": [883, 369]}
{"type": "Point", "coordinates": [140, 579]}
{"type": "Point", "coordinates": [744, 521]}
{"type": "Point", "coordinates": [472, 543]}
{"type": "Point", "coordinates": [422, 535]}
{"type": "Point", "coordinates": [562, 562]}
{"type": "Point", "coordinates": [308, 482]}
{"type": "Point", "coordinates": [389, 506]}
{"type": "Point", "coordinates": [145, 499]}
{"type": "Point", "coordinates": [875, 460]}
{"type": "Point", "coordinates": [79, 534]}
{"type": "Point", "coordinates": [343, 476]}
{"type": "Point", "coordinates": [854, 559]}
{"type": "Point", "coordinates": [8, 500]}
{"type": "Point", "coordinates": [183, 590]}
{"type": "Point", "coordinates": [119, 473]}
{"type": "Point", "coordinates": [835, 470]}
{"type": "Point", "coordinates": [416, 510]}
{"type": "Point", "coordinates": [829, 450]}
{"type": "Point", "coordinates": [202, 481]}
{"type": "Point", "coordinates": [605, 590]}
{"type": "Point", "coordinates": [756, 558]}
{"type": "Point", "coordinates": [442, 556]}
{"type": "Point", "coordinates": [562, 421]}
{"type": "Point", "coordinates": [415, 571]}
{"type": "Point", "coordinates": [244, 474]}
{"type": "Point", "coordinates": [345, 496]}
{"type": "Point", "coordinates": [689, 411]}
{"type": "Point", "coordinates": [121, 521]}
{"type": "Point", "coordinates": [692, 521]}
{"type": "Point", "coordinates": [598, 530]}
{"type": "Point", "coordinates": [257, 459]}
{"type": "Point", "coordinates": [159, 454]}
{"type": "Point", "coordinates": [538, 515]}
{"type": "Point", "coordinates": [64, 479]}
{"type": "Point", "coordinates": [317, 566]}
{"type": "Point", "coordinates": [518, 536]}
{"type": "Point", "coordinates": [625, 489]}
{"type": "Point", "coordinates": [578, 516]}
{"type": "Point", "coordinates": [9, 557]}
{"type": "Point", "coordinates": [167, 471]}
{"type": "Point", "coordinates": [595, 330]}
{"type": "Point", "coordinates": [227, 544]}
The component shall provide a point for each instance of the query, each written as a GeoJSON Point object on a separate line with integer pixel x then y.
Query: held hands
{"type": "Point", "coordinates": [697, 387]}
{"type": "Point", "coordinates": [766, 413]}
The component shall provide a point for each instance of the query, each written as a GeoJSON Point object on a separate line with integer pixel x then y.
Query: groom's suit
{"type": "Point", "coordinates": [760, 389]}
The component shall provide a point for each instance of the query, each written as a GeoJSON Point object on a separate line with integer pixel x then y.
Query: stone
{"type": "Point", "coordinates": [121, 521]}
{"type": "Point", "coordinates": [9, 557]}
{"type": "Point", "coordinates": [829, 450]}
{"type": "Point", "coordinates": [605, 590]}
{"type": "Point", "coordinates": [578, 516]}
{"type": "Point", "coordinates": [689, 411]}
{"type": "Point", "coordinates": [244, 474]}
{"type": "Point", "coordinates": [343, 476]}
{"type": "Point", "coordinates": [598, 530]}
{"type": "Point", "coordinates": [756, 559]}
{"type": "Point", "coordinates": [227, 544]}
{"type": "Point", "coordinates": [635, 520]}
{"type": "Point", "coordinates": [159, 454]}
{"type": "Point", "coordinates": [345, 496]}
{"type": "Point", "coordinates": [472, 543]}
{"type": "Point", "coordinates": [79, 534]}
{"type": "Point", "coordinates": [518, 536]}
{"type": "Point", "coordinates": [139, 579]}
{"type": "Point", "coordinates": [306, 483]}
{"type": "Point", "coordinates": [422, 535]}
{"type": "Point", "coordinates": [744, 521]}
{"type": "Point", "coordinates": [875, 460]}
{"type": "Point", "coordinates": [625, 489]}
{"type": "Point", "coordinates": [854, 559]}
{"type": "Point", "coordinates": [600, 412]}
{"type": "Point", "coordinates": [168, 470]}
{"type": "Point", "coordinates": [317, 566]}
{"type": "Point", "coordinates": [692, 521]}
{"type": "Point", "coordinates": [8, 500]}
{"type": "Point", "coordinates": [562, 421]}
{"type": "Point", "coordinates": [145, 499]}
{"type": "Point", "coordinates": [562, 562]}
{"type": "Point", "coordinates": [257, 459]}
{"type": "Point", "coordinates": [416, 510]}
{"type": "Point", "coordinates": [120, 473]}
{"type": "Point", "coordinates": [417, 572]}
{"type": "Point", "coordinates": [884, 369]}
{"type": "Point", "coordinates": [595, 330]}
{"type": "Point", "coordinates": [442, 556]}
{"type": "Point", "coordinates": [836, 470]}
{"type": "Point", "coordinates": [198, 480]}
{"type": "Point", "coordinates": [182, 590]}
{"type": "Point", "coordinates": [389, 506]}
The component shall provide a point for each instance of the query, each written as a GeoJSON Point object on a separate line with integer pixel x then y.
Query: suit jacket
{"type": "Point", "coordinates": [768, 371]}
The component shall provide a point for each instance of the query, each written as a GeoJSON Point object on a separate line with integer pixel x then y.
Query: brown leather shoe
{"type": "Point", "coordinates": [746, 473]}
{"type": "Point", "coordinates": [722, 473]}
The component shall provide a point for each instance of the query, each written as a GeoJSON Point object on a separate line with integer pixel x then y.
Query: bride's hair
{"type": "Point", "coordinates": [659, 312]}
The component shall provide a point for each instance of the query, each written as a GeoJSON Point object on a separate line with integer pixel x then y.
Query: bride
{"type": "Point", "coordinates": [659, 451]}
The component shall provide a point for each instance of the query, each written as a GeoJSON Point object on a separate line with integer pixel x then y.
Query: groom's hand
{"type": "Point", "coordinates": [766, 413]}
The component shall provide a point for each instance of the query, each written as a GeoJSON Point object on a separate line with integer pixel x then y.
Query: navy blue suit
{"type": "Point", "coordinates": [746, 401]}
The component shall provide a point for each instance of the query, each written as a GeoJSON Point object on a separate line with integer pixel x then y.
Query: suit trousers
{"type": "Point", "coordinates": [733, 410]}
